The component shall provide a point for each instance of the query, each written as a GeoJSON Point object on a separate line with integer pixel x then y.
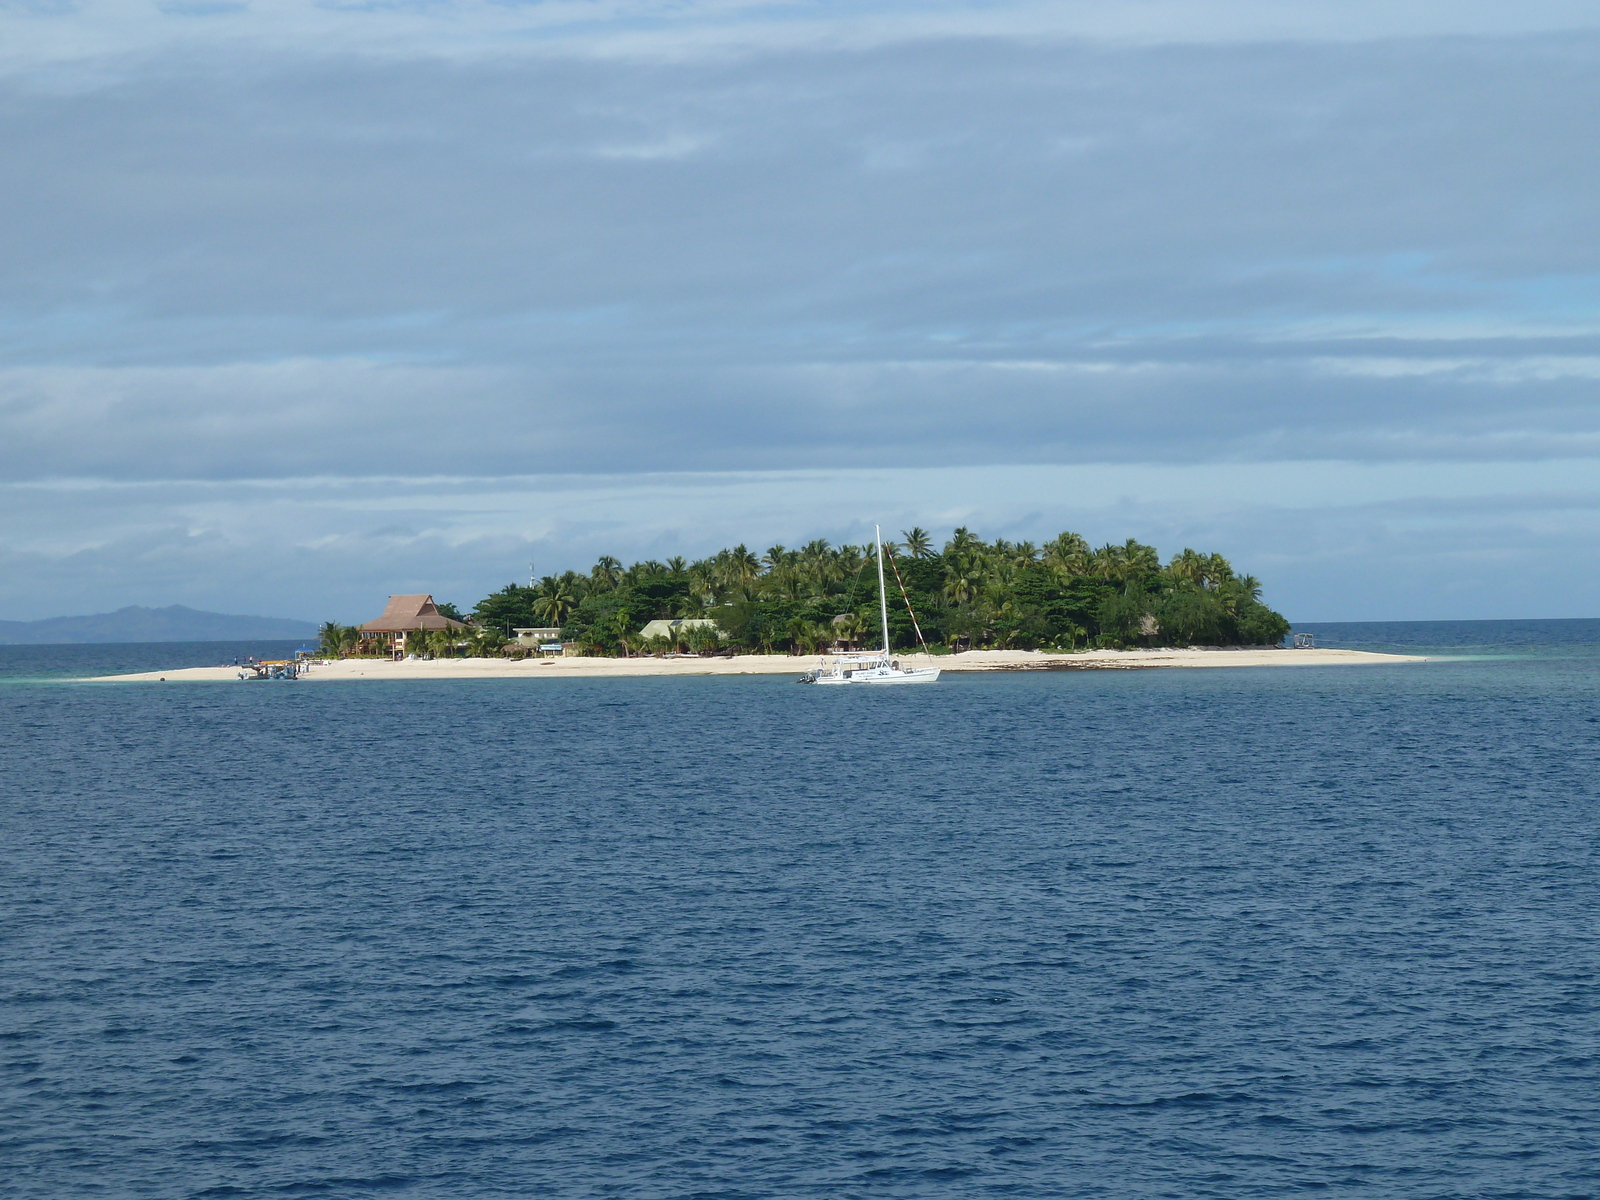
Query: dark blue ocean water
{"type": "Point", "coordinates": [1222, 933]}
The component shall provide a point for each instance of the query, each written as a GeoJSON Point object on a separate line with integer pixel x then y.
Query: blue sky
{"type": "Point", "coordinates": [304, 304]}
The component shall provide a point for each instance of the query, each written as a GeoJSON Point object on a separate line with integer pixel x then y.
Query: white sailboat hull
{"type": "Point", "coordinates": [872, 669]}
{"type": "Point", "coordinates": [884, 678]}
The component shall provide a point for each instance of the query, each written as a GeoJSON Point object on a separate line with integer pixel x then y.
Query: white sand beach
{"type": "Point", "coordinates": [778, 664]}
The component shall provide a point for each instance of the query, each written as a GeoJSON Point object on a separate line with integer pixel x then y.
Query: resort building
{"type": "Point", "coordinates": [672, 629]}
{"type": "Point", "coordinates": [405, 615]}
{"type": "Point", "coordinates": [547, 637]}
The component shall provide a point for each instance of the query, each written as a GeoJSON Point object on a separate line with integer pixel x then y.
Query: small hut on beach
{"type": "Point", "coordinates": [405, 615]}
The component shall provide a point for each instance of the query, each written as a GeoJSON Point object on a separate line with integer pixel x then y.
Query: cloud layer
{"type": "Point", "coordinates": [1331, 540]}
{"type": "Point", "coordinates": [851, 242]}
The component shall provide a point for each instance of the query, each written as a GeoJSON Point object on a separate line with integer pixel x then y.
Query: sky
{"type": "Point", "coordinates": [304, 304]}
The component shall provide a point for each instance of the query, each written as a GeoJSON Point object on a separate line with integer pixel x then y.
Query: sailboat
{"type": "Point", "coordinates": [871, 666]}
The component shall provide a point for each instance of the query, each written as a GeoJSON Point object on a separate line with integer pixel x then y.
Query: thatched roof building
{"type": "Point", "coordinates": [407, 614]}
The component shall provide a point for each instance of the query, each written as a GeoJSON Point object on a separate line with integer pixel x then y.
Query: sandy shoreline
{"type": "Point", "coordinates": [776, 664]}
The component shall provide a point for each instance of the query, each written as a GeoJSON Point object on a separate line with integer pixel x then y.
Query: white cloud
{"type": "Point", "coordinates": [1332, 540]}
{"type": "Point", "coordinates": [323, 321]}
{"type": "Point", "coordinates": [677, 145]}
{"type": "Point", "coordinates": [99, 36]}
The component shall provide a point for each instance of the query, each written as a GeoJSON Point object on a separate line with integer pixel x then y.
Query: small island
{"type": "Point", "coordinates": [976, 605]}
{"type": "Point", "coordinates": [968, 595]}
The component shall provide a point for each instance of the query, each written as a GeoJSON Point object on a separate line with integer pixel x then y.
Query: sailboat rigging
{"type": "Point", "coordinates": [871, 667]}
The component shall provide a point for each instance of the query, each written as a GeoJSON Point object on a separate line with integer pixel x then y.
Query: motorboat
{"type": "Point", "coordinates": [265, 669]}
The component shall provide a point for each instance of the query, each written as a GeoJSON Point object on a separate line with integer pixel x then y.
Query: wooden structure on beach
{"type": "Point", "coordinates": [407, 615]}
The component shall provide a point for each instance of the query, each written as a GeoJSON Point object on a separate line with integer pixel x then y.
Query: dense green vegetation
{"type": "Point", "coordinates": [479, 641]}
{"type": "Point", "coordinates": [969, 593]}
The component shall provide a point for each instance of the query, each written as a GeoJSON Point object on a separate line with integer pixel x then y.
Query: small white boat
{"type": "Point", "coordinates": [871, 666]}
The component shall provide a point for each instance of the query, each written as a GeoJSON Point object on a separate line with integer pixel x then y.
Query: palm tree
{"type": "Point", "coordinates": [483, 641]}
{"type": "Point", "coordinates": [1067, 639]}
{"type": "Point", "coordinates": [1124, 562]}
{"type": "Point", "coordinates": [917, 541]}
{"type": "Point", "coordinates": [555, 600]}
{"type": "Point", "coordinates": [786, 583]}
{"type": "Point", "coordinates": [334, 638]}
{"type": "Point", "coordinates": [817, 561]}
{"type": "Point", "coordinates": [621, 626]}
{"type": "Point", "coordinates": [960, 585]}
{"type": "Point", "coordinates": [607, 573]}
{"type": "Point", "coordinates": [962, 541]}
{"type": "Point", "coordinates": [1202, 570]}
{"type": "Point", "coordinates": [1067, 553]}
{"type": "Point", "coordinates": [1107, 562]}
{"type": "Point", "coordinates": [1002, 575]}
{"type": "Point", "coordinates": [1141, 559]}
{"type": "Point", "coordinates": [850, 559]}
{"type": "Point", "coordinates": [743, 567]}
{"type": "Point", "coordinates": [1188, 566]}
{"type": "Point", "coordinates": [1238, 592]}
{"type": "Point", "coordinates": [848, 628]}
{"type": "Point", "coordinates": [703, 581]}
{"type": "Point", "coordinates": [799, 631]}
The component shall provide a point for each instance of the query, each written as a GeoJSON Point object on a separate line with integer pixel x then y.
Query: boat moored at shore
{"type": "Point", "coordinates": [870, 667]}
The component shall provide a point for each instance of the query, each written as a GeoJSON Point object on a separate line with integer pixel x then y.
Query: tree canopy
{"type": "Point", "coordinates": [1062, 595]}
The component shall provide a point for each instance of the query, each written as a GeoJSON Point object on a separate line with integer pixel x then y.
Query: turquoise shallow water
{"type": "Point", "coordinates": [23, 664]}
{"type": "Point", "coordinates": [1569, 639]}
{"type": "Point", "coordinates": [1182, 933]}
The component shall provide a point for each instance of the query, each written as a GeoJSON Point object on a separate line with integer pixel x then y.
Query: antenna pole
{"type": "Point", "coordinates": [883, 596]}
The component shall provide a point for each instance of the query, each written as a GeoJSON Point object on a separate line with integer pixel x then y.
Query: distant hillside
{"type": "Point", "coordinates": [174, 623]}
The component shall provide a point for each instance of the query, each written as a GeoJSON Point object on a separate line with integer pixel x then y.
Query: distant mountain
{"type": "Point", "coordinates": [174, 623]}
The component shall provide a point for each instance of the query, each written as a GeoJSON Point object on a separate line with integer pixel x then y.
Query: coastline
{"type": "Point", "coordinates": [778, 664]}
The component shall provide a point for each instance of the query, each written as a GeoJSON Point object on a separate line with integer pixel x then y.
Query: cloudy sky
{"type": "Point", "coordinates": [306, 303]}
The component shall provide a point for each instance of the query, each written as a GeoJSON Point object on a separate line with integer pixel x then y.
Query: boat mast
{"type": "Point", "coordinates": [883, 596]}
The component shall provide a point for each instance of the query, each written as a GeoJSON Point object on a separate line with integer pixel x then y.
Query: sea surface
{"type": "Point", "coordinates": [1211, 933]}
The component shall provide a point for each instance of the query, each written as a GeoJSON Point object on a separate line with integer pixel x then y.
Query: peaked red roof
{"type": "Point", "coordinates": [407, 613]}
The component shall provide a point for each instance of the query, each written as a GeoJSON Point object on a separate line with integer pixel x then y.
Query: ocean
{"type": "Point", "coordinates": [1208, 933]}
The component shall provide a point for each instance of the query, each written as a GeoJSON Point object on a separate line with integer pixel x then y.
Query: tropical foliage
{"type": "Point", "coordinates": [1063, 594]}
{"type": "Point", "coordinates": [476, 641]}
{"type": "Point", "coordinates": [336, 640]}
{"type": "Point", "coordinates": [969, 593]}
